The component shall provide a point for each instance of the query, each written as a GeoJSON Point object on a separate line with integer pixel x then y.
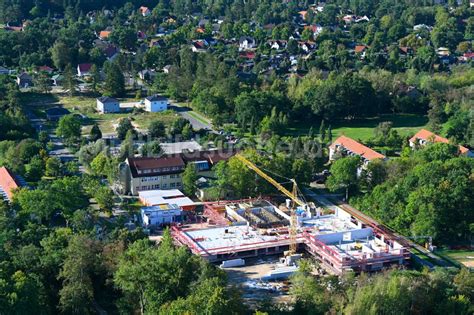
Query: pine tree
{"type": "Point", "coordinates": [95, 133]}
{"type": "Point", "coordinates": [310, 132]}
{"type": "Point", "coordinates": [329, 134]}
{"type": "Point", "coordinates": [70, 82]}
{"type": "Point", "coordinates": [114, 81]}
{"type": "Point", "coordinates": [322, 131]}
{"type": "Point", "coordinates": [95, 76]}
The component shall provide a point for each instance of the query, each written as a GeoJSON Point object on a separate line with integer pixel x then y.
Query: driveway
{"type": "Point", "coordinates": [197, 121]}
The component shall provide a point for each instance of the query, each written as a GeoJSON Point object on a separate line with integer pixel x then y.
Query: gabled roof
{"type": "Point", "coordinates": [428, 136]}
{"type": "Point", "coordinates": [360, 48]}
{"type": "Point", "coordinates": [84, 67]}
{"type": "Point", "coordinates": [144, 10]}
{"type": "Point", "coordinates": [155, 165]}
{"type": "Point", "coordinates": [104, 34]}
{"type": "Point", "coordinates": [8, 182]}
{"type": "Point", "coordinates": [356, 148]}
{"type": "Point", "coordinates": [106, 99]}
{"type": "Point", "coordinates": [156, 98]}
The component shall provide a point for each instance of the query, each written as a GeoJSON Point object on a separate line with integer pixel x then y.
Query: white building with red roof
{"type": "Point", "coordinates": [424, 137]}
{"type": "Point", "coordinates": [8, 183]}
{"type": "Point", "coordinates": [349, 147]}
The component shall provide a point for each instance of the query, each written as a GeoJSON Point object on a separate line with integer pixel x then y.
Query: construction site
{"type": "Point", "coordinates": [252, 228]}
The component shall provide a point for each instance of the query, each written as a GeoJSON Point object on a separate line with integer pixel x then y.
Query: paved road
{"type": "Point", "coordinates": [196, 123]}
{"type": "Point", "coordinates": [328, 202]}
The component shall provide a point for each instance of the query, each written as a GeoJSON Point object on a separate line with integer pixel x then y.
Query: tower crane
{"type": "Point", "coordinates": [293, 195]}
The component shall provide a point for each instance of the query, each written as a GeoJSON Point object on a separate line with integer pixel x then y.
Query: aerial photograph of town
{"type": "Point", "coordinates": [251, 157]}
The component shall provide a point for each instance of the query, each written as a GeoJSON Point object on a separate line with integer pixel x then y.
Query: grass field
{"type": "Point", "coordinates": [459, 257]}
{"type": "Point", "coordinates": [86, 105]}
{"type": "Point", "coordinates": [363, 129]}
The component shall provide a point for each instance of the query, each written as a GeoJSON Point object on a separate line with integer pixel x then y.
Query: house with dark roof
{"type": "Point", "coordinates": [425, 137]}
{"type": "Point", "coordinates": [345, 146]}
{"type": "Point", "coordinates": [8, 183]}
{"type": "Point", "coordinates": [199, 45]}
{"type": "Point", "coordinates": [156, 103]}
{"type": "Point", "coordinates": [24, 80]}
{"type": "Point", "coordinates": [83, 69]}
{"type": "Point", "coordinates": [107, 105]}
{"type": "Point", "coordinates": [55, 113]}
{"type": "Point", "coordinates": [246, 42]}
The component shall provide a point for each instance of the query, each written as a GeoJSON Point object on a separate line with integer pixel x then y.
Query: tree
{"type": "Point", "coordinates": [95, 133]}
{"type": "Point", "coordinates": [156, 129]}
{"type": "Point", "coordinates": [70, 83]}
{"type": "Point", "coordinates": [114, 80]}
{"type": "Point", "coordinates": [53, 167]}
{"type": "Point", "coordinates": [35, 169]}
{"type": "Point", "coordinates": [61, 54]}
{"type": "Point", "coordinates": [69, 128]}
{"type": "Point", "coordinates": [95, 77]}
{"type": "Point", "coordinates": [344, 174]}
{"type": "Point", "coordinates": [123, 127]}
{"type": "Point", "coordinates": [77, 293]}
{"type": "Point", "coordinates": [104, 197]}
{"type": "Point", "coordinates": [189, 179]}
{"type": "Point", "coordinates": [42, 82]}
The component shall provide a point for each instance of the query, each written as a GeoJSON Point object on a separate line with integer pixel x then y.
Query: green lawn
{"type": "Point", "coordinates": [459, 257]}
{"type": "Point", "coordinates": [363, 129]}
{"type": "Point", "coordinates": [86, 105]}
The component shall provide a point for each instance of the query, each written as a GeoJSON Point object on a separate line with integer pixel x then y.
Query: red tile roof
{"type": "Point", "coordinates": [360, 48]}
{"type": "Point", "coordinates": [356, 148]}
{"type": "Point", "coordinates": [8, 182]}
{"type": "Point", "coordinates": [428, 136]}
{"type": "Point", "coordinates": [104, 34]}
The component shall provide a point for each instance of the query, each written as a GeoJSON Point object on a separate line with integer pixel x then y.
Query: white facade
{"type": "Point", "coordinates": [107, 105]}
{"type": "Point", "coordinates": [156, 103]}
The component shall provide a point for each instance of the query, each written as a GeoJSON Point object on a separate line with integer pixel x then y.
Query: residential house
{"type": "Point", "coordinates": [361, 50]}
{"type": "Point", "coordinates": [57, 79]}
{"type": "Point", "coordinates": [167, 69]}
{"type": "Point", "coordinates": [306, 46]}
{"type": "Point", "coordinates": [364, 18]}
{"type": "Point", "coordinates": [156, 103]}
{"type": "Point", "coordinates": [277, 44]}
{"type": "Point", "coordinates": [24, 80]}
{"type": "Point", "coordinates": [302, 14]}
{"type": "Point", "coordinates": [45, 69]}
{"type": "Point", "coordinates": [145, 11]}
{"type": "Point", "coordinates": [104, 35]}
{"type": "Point", "coordinates": [246, 42]}
{"type": "Point", "coordinates": [466, 57]}
{"type": "Point", "coordinates": [8, 183]}
{"type": "Point", "coordinates": [84, 69]}
{"type": "Point", "coordinates": [107, 105]}
{"type": "Point", "coordinates": [199, 45]}
{"type": "Point", "coordinates": [55, 113]}
{"type": "Point", "coordinates": [146, 74]}
{"type": "Point", "coordinates": [345, 146]}
{"type": "Point", "coordinates": [316, 29]}
{"type": "Point", "coordinates": [424, 137]}
{"type": "Point", "coordinates": [111, 52]}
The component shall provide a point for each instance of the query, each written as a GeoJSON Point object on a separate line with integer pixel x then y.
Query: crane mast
{"type": "Point", "coordinates": [293, 195]}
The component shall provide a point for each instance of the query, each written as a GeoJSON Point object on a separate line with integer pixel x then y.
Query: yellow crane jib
{"type": "Point", "coordinates": [292, 195]}
{"type": "Point", "coordinates": [277, 185]}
